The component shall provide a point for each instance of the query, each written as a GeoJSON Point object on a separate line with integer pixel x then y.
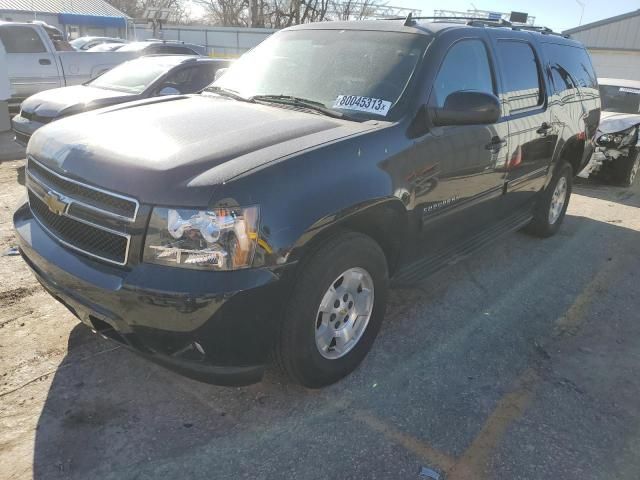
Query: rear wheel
{"type": "Point", "coordinates": [552, 205]}
{"type": "Point", "coordinates": [627, 168]}
{"type": "Point", "coordinates": [335, 311]}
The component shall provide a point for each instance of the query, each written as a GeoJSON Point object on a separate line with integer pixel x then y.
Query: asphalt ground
{"type": "Point", "coordinates": [521, 362]}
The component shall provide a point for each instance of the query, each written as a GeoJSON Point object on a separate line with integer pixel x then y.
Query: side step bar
{"type": "Point", "coordinates": [427, 266]}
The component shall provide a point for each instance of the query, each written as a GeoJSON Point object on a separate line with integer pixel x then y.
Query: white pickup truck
{"type": "Point", "coordinates": [37, 63]}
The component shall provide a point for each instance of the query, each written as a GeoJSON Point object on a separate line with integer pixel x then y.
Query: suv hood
{"type": "Point", "coordinates": [170, 150]}
{"type": "Point", "coordinates": [612, 122]}
{"type": "Point", "coordinates": [52, 103]}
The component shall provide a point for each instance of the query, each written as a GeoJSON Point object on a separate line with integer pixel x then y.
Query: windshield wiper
{"type": "Point", "coordinates": [301, 102]}
{"type": "Point", "coordinates": [227, 92]}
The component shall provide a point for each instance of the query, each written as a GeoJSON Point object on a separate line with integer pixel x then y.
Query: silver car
{"type": "Point", "coordinates": [133, 80]}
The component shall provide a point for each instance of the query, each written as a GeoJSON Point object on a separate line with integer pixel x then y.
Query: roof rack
{"type": "Point", "coordinates": [410, 20]}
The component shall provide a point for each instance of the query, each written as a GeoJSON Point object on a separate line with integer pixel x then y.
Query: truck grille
{"type": "Point", "coordinates": [83, 237]}
{"type": "Point", "coordinates": [109, 202]}
{"type": "Point", "coordinates": [81, 217]}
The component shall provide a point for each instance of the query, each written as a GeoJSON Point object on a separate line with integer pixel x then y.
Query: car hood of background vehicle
{"type": "Point", "coordinates": [171, 150]}
{"type": "Point", "coordinates": [51, 103]}
{"type": "Point", "coordinates": [613, 122]}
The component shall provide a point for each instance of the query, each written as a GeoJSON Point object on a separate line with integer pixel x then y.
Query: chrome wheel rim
{"type": "Point", "coordinates": [344, 313]}
{"type": "Point", "coordinates": [558, 200]}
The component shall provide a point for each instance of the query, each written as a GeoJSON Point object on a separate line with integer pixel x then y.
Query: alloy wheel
{"type": "Point", "coordinates": [344, 313]}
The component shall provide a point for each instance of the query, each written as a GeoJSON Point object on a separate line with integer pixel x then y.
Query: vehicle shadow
{"type": "Point", "coordinates": [614, 193]}
{"type": "Point", "coordinates": [448, 352]}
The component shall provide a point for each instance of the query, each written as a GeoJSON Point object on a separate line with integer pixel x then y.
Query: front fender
{"type": "Point", "coordinates": [301, 198]}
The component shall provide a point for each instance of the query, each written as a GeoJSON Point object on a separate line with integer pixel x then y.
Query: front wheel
{"type": "Point", "coordinates": [335, 311]}
{"type": "Point", "coordinates": [552, 205]}
{"type": "Point", "coordinates": [627, 168]}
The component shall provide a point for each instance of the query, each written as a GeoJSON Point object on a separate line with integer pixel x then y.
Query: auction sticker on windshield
{"type": "Point", "coordinates": [630, 90]}
{"type": "Point", "coordinates": [362, 104]}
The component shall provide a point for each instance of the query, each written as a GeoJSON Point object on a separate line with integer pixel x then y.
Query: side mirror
{"type": "Point", "coordinates": [467, 108]}
{"type": "Point", "coordinates": [219, 73]}
{"type": "Point", "coordinates": [169, 91]}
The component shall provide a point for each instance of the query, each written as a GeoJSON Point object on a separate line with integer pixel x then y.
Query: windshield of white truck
{"type": "Point", "coordinates": [362, 73]}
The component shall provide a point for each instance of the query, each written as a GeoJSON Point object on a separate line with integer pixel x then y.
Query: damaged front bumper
{"type": "Point", "coordinates": [210, 326]}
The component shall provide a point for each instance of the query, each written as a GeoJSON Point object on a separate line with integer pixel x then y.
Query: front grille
{"type": "Point", "coordinates": [22, 138]}
{"type": "Point", "coordinates": [109, 203]}
{"type": "Point", "coordinates": [81, 236]}
{"type": "Point", "coordinates": [80, 216]}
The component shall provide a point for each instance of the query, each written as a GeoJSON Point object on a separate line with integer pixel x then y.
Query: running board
{"type": "Point", "coordinates": [427, 266]}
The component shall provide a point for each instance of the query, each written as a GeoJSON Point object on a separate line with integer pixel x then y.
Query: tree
{"type": "Point", "coordinates": [284, 13]}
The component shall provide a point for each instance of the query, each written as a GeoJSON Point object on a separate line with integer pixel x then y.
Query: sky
{"type": "Point", "coordinates": [558, 15]}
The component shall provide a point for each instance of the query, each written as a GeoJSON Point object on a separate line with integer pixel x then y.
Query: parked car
{"type": "Point", "coordinates": [85, 43]}
{"type": "Point", "coordinates": [107, 47]}
{"type": "Point", "coordinates": [271, 213]}
{"type": "Point", "coordinates": [149, 47]}
{"type": "Point", "coordinates": [136, 79]}
{"type": "Point", "coordinates": [38, 62]}
{"type": "Point", "coordinates": [617, 156]}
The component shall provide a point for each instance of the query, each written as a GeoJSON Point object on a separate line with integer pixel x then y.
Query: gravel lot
{"type": "Point", "coordinates": [522, 362]}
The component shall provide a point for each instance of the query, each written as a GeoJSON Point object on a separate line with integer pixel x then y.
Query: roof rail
{"type": "Point", "coordinates": [409, 21]}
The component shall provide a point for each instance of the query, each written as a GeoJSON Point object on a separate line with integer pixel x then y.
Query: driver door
{"type": "Point", "coordinates": [465, 163]}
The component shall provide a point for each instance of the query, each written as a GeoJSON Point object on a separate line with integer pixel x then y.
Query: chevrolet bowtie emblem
{"type": "Point", "coordinates": [56, 203]}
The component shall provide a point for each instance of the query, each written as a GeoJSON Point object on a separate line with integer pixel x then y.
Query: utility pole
{"type": "Point", "coordinates": [582, 5]}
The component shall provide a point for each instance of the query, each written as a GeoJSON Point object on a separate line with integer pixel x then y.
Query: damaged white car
{"type": "Point", "coordinates": [617, 154]}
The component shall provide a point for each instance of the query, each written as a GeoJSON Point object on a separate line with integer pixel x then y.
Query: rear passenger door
{"type": "Point", "coordinates": [532, 134]}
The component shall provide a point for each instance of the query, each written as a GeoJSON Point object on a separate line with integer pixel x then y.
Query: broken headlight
{"type": "Point", "coordinates": [218, 239]}
{"type": "Point", "coordinates": [620, 139]}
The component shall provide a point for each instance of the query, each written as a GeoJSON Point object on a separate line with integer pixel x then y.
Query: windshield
{"type": "Point", "coordinates": [620, 99]}
{"type": "Point", "coordinates": [78, 42]}
{"type": "Point", "coordinates": [132, 77]}
{"type": "Point", "coordinates": [358, 72]}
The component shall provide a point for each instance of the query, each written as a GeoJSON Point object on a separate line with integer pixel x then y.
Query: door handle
{"type": "Point", "coordinates": [44, 61]}
{"type": "Point", "coordinates": [544, 129]}
{"type": "Point", "coordinates": [496, 144]}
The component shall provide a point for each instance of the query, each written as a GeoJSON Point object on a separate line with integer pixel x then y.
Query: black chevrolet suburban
{"type": "Point", "coordinates": [267, 217]}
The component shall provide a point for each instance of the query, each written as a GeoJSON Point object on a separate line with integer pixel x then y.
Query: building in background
{"type": "Point", "coordinates": [614, 44]}
{"type": "Point", "coordinates": [75, 18]}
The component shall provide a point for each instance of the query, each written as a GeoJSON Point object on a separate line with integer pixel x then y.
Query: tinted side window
{"type": "Point", "coordinates": [21, 40]}
{"type": "Point", "coordinates": [571, 65]}
{"type": "Point", "coordinates": [171, 49]}
{"type": "Point", "coordinates": [521, 74]}
{"type": "Point", "coordinates": [191, 79]}
{"type": "Point", "coordinates": [466, 67]}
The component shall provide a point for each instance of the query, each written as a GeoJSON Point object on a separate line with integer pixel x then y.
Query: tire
{"type": "Point", "coordinates": [304, 326]}
{"type": "Point", "coordinates": [546, 223]}
{"type": "Point", "coordinates": [626, 169]}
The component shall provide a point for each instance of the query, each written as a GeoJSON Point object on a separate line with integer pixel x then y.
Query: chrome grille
{"type": "Point", "coordinates": [84, 237]}
{"type": "Point", "coordinates": [110, 204]}
{"type": "Point", "coordinates": [82, 217]}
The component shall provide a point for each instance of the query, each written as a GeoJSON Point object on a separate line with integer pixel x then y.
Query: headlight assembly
{"type": "Point", "coordinates": [219, 239]}
{"type": "Point", "coordinates": [623, 138]}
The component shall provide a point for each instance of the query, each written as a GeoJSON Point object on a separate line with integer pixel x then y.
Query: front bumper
{"type": "Point", "coordinates": [215, 327]}
{"type": "Point", "coordinates": [23, 128]}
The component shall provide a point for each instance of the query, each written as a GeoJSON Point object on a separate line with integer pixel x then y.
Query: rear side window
{"type": "Point", "coordinates": [570, 68]}
{"type": "Point", "coordinates": [18, 39]}
{"type": "Point", "coordinates": [521, 74]}
{"type": "Point", "coordinates": [466, 67]}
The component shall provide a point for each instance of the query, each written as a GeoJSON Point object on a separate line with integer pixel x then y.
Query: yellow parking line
{"type": "Point", "coordinates": [428, 454]}
{"type": "Point", "coordinates": [472, 464]}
